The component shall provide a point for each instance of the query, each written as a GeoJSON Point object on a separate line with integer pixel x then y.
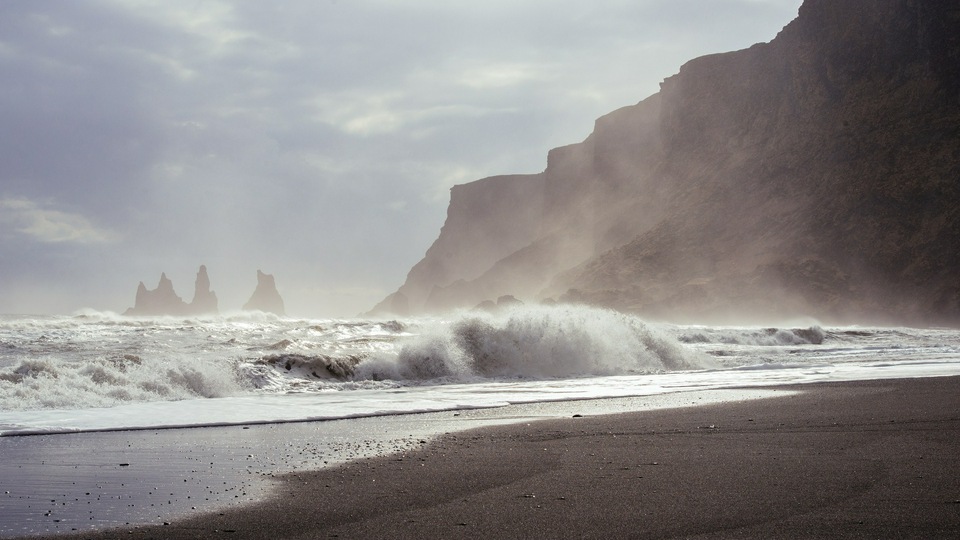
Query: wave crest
{"type": "Point", "coordinates": [106, 382]}
{"type": "Point", "coordinates": [537, 342]}
{"type": "Point", "coordinates": [769, 337]}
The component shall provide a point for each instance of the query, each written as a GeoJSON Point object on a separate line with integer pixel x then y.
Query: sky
{"type": "Point", "coordinates": [315, 140]}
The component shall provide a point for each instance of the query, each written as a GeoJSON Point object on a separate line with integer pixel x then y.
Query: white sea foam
{"type": "Point", "coordinates": [111, 380]}
{"type": "Point", "coordinates": [534, 342]}
{"type": "Point", "coordinates": [113, 370]}
{"type": "Point", "coordinates": [813, 335]}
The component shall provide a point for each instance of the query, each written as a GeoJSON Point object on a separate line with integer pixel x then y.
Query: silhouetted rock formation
{"type": "Point", "coordinates": [396, 304]}
{"type": "Point", "coordinates": [504, 302]}
{"type": "Point", "coordinates": [487, 220]}
{"type": "Point", "coordinates": [160, 301]}
{"type": "Point", "coordinates": [818, 174]}
{"type": "Point", "coordinates": [204, 300]}
{"type": "Point", "coordinates": [164, 301]}
{"type": "Point", "coordinates": [265, 297]}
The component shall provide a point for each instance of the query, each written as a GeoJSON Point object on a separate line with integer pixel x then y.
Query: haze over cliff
{"type": "Point", "coordinates": [814, 175]}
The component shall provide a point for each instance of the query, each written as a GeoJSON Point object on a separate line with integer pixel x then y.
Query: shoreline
{"type": "Point", "coordinates": [868, 458]}
{"type": "Point", "coordinates": [97, 480]}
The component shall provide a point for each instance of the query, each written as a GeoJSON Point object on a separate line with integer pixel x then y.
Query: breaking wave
{"type": "Point", "coordinates": [103, 360]}
{"type": "Point", "coordinates": [106, 382]}
{"type": "Point", "coordinates": [536, 342]}
{"type": "Point", "coordinates": [769, 337]}
{"type": "Point", "coordinates": [103, 371]}
{"type": "Point", "coordinates": [526, 342]}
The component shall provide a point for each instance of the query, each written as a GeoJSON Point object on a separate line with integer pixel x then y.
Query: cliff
{"type": "Point", "coordinates": [818, 174]}
{"type": "Point", "coordinates": [164, 300]}
{"type": "Point", "coordinates": [487, 220]}
{"type": "Point", "coordinates": [265, 297]}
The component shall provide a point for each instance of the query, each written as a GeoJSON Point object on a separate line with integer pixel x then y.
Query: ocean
{"type": "Point", "coordinates": [102, 389]}
{"type": "Point", "coordinates": [100, 371]}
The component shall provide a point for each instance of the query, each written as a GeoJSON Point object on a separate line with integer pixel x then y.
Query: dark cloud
{"type": "Point", "coordinates": [315, 140]}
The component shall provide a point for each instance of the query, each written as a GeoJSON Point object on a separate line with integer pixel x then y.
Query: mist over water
{"type": "Point", "coordinates": [102, 360]}
{"type": "Point", "coordinates": [536, 342]}
{"type": "Point", "coordinates": [103, 371]}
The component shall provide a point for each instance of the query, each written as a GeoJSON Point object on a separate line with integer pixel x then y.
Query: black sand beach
{"type": "Point", "coordinates": [875, 459]}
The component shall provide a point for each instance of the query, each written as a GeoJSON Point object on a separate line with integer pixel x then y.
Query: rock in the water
{"type": "Point", "coordinates": [204, 300]}
{"type": "Point", "coordinates": [503, 302]}
{"type": "Point", "coordinates": [160, 301]}
{"type": "Point", "coordinates": [508, 300]}
{"type": "Point", "coordinates": [487, 305]}
{"type": "Point", "coordinates": [266, 297]}
{"type": "Point", "coordinates": [164, 301]}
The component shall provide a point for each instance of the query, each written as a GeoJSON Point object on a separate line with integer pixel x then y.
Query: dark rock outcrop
{"type": "Point", "coordinates": [164, 301]}
{"type": "Point", "coordinates": [818, 174]}
{"type": "Point", "coordinates": [504, 302]}
{"type": "Point", "coordinates": [265, 297]}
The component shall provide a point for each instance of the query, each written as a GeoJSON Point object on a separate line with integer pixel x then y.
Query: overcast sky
{"type": "Point", "coordinates": [313, 139]}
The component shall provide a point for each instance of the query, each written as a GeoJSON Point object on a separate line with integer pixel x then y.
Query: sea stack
{"type": "Point", "coordinates": [204, 300]}
{"type": "Point", "coordinates": [265, 298]}
{"type": "Point", "coordinates": [160, 301]}
{"type": "Point", "coordinates": [164, 301]}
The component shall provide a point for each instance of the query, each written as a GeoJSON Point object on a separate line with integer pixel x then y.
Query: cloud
{"type": "Point", "coordinates": [317, 140]}
{"type": "Point", "coordinates": [50, 225]}
{"type": "Point", "coordinates": [502, 75]}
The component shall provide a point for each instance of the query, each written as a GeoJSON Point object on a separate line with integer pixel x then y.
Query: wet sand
{"type": "Point", "coordinates": [873, 459]}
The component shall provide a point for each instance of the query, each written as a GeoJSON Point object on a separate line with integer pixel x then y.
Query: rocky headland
{"type": "Point", "coordinates": [814, 175]}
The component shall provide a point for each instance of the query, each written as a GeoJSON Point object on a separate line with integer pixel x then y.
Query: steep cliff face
{"type": "Point", "coordinates": [818, 174]}
{"type": "Point", "coordinates": [487, 220]}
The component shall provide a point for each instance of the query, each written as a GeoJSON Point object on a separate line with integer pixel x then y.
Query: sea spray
{"type": "Point", "coordinates": [103, 371]}
{"type": "Point", "coordinates": [102, 360]}
{"type": "Point", "coordinates": [813, 335]}
{"type": "Point", "coordinates": [535, 342]}
{"type": "Point", "coordinates": [105, 382]}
